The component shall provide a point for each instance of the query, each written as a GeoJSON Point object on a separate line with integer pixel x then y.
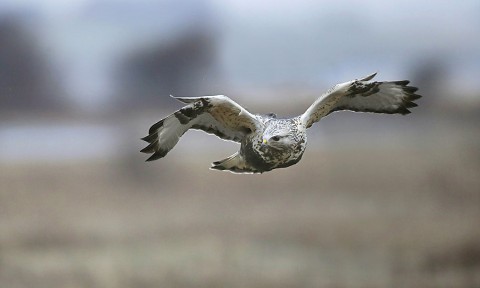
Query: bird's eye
{"type": "Point", "coordinates": [275, 138]}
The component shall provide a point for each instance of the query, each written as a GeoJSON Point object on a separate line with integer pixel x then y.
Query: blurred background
{"type": "Point", "coordinates": [377, 201]}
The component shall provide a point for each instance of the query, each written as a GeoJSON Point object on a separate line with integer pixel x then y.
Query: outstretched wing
{"type": "Point", "coordinates": [217, 115]}
{"type": "Point", "coordinates": [392, 97]}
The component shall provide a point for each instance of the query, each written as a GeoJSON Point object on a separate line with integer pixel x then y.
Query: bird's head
{"type": "Point", "coordinates": [279, 137]}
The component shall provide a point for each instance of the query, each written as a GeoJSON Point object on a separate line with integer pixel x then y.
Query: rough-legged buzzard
{"type": "Point", "coordinates": [267, 142]}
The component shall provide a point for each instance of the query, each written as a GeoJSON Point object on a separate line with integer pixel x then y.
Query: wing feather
{"type": "Point", "coordinates": [392, 97]}
{"type": "Point", "coordinates": [383, 97]}
{"type": "Point", "coordinates": [218, 115]}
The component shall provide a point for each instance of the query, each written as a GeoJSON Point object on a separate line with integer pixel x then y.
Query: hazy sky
{"type": "Point", "coordinates": [261, 43]}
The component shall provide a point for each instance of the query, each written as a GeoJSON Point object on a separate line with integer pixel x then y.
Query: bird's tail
{"type": "Point", "coordinates": [233, 163]}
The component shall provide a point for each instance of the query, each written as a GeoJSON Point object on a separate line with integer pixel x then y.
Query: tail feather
{"type": "Point", "coordinates": [233, 163]}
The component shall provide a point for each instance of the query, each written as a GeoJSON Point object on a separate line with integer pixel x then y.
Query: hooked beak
{"type": "Point", "coordinates": [264, 141]}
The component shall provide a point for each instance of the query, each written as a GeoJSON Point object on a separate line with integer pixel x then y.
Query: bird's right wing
{"type": "Point", "coordinates": [217, 115]}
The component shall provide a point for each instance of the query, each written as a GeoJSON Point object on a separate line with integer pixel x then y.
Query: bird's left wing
{"type": "Point", "coordinates": [392, 97]}
{"type": "Point", "coordinates": [217, 115]}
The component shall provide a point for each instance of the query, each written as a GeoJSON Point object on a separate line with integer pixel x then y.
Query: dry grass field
{"type": "Point", "coordinates": [378, 201]}
{"type": "Point", "coordinates": [395, 214]}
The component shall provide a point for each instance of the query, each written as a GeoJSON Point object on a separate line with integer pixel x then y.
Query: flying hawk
{"type": "Point", "coordinates": [266, 142]}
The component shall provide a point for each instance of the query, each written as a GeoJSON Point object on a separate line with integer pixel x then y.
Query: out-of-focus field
{"type": "Point", "coordinates": [406, 214]}
{"type": "Point", "coordinates": [377, 200]}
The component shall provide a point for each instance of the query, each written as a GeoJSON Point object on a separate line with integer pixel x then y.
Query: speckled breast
{"type": "Point", "coordinates": [266, 158]}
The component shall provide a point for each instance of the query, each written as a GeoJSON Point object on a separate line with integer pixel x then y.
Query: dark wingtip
{"type": "Point", "coordinates": [155, 127]}
{"type": "Point", "coordinates": [410, 89]}
{"type": "Point", "coordinates": [153, 157]}
{"type": "Point", "coordinates": [151, 148]}
{"type": "Point", "coordinates": [147, 150]}
{"type": "Point", "coordinates": [402, 83]}
{"type": "Point", "coordinates": [411, 97]}
{"type": "Point", "coordinates": [221, 168]}
{"type": "Point", "coordinates": [411, 104]}
{"type": "Point", "coordinates": [149, 138]}
{"type": "Point", "coordinates": [157, 155]}
{"type": "Point", "coordinates": [369, 77]}
{"type": "Point", "coordinates": [150, 159]}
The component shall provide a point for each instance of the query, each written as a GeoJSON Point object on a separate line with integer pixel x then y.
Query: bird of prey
{"type": "Point", "coordinates": [267, 142]}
